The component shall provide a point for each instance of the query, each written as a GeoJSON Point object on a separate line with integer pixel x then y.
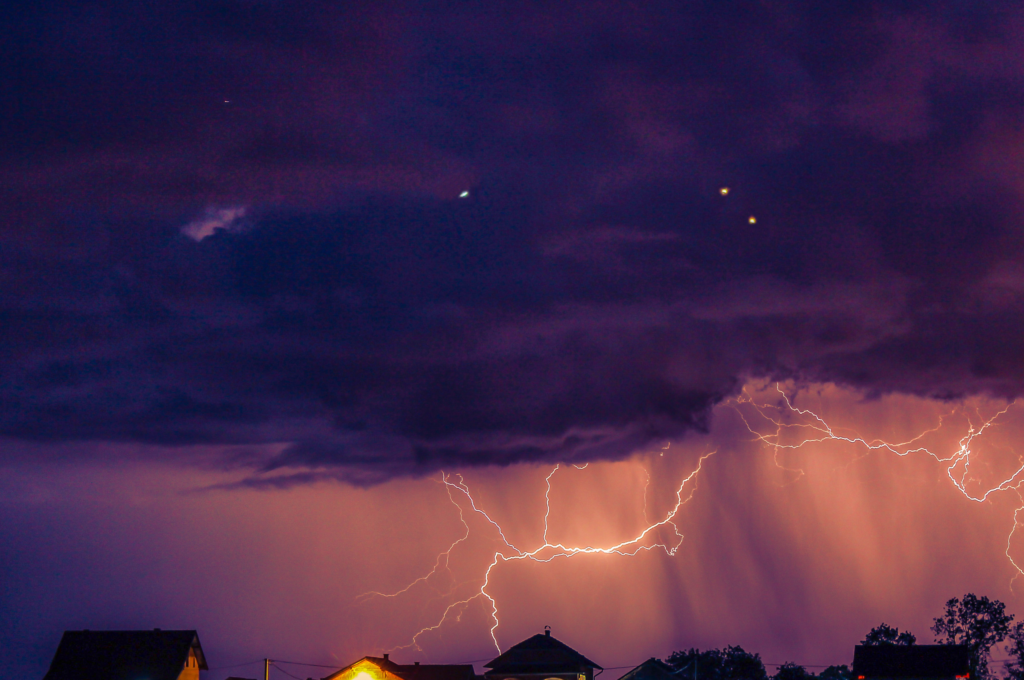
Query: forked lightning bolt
{"type": "Point", "coordinates": [822, 431]}
{"type": "Point", "coordinates": [546, 552]}
{"type": "Point", "coordinates": [445, 557]}
{"type": "Point", "coordinates": [958, 461]}
{"type": "Point", "coordinates": [780, 426]}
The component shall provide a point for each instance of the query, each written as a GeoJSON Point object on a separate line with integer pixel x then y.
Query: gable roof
{"type": "Point", "coordinates": [911, 661]}
{"type": "Point", "coordinates": [540, 654]}
{"type": "Point", "coordinates": [411, 671]}
{"type": "Point", "coordinates": [652, 669]}
{"type": "Point", "coordinates": [124, 654]}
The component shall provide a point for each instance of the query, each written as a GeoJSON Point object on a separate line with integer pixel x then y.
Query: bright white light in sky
{"type": "Point", "coordinates": [464, 194]}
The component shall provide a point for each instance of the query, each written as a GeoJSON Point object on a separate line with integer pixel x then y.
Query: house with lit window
{"type": "Point", "coordinates": [539, 658]}
{"type": "Point", "coordinates": [911, 662]}
{"type": "Point", "coordinates": [383, 668]}
{"type": "Point", "coordinates": [128, 655]}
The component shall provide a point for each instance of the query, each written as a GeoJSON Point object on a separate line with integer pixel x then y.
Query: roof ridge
{"type": "Point", "coordinates": [538, 650]}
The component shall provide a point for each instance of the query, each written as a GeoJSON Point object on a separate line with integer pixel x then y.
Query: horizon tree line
{"type": "Point", "coordinates": [976, 622]}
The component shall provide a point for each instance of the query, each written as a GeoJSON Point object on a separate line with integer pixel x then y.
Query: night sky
{"type": "Point", "coordinates": [270, 272]}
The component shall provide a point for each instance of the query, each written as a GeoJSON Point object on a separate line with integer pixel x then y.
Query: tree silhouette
{"type": "Point", "coordinates": [731, 663]}
{"type": "Point", "coordinates": [740, 664]}
{"type": "Point", "coordinates": [791, 671]}
{"type": "Point", "coordinates": [692, 664]}
{"type": "Point", "coordinates": [976, 622]}
{"type": "Point", "coordinates": [884, 634]}
{"type": "Point", "coordinates": [842, 673]}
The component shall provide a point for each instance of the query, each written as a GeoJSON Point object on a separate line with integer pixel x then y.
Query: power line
{"type": "Point", "coordinates": [300, 663]}
{"type": "Point", "coordinates": [802, 665]}
{"type": "Point", "coordinates": [237, 665]}
{"type": "Point", "coordinates": [273, 663]}
{"type": "Point", "coordinates": [766, 663]}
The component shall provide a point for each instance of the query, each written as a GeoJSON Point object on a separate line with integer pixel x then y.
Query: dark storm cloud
{"type": "Point", "coordinates": [240, 222]}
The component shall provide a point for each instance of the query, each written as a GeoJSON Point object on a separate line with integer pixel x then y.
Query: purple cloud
{"type": "Point", "coordinates": [592, 293]}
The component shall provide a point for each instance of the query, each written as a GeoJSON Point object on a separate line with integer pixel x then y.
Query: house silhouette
{"type": "Point", "coordinates": [541, 656]}
{"type": "Point", "coordinates": [128, 655]}
{"type": "Point", "coordinates": [911, 662]}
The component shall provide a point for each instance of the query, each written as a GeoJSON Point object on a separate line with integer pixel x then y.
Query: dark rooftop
{"type": "Point", "coordinates": [911, 661]}
{"type": "Point", "coordinates": [415, 671]}
{"type": "Point", "coordinates": [123, 654]}
{"type": "Point", "coordinates": [540, 653]}
{"type": "Point", "coordinates": [652, 669]}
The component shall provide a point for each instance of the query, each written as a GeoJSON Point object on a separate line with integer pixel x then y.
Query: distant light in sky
{"type": "Point", "coordinates": [724, 191]}
{"type": "Point", "coordinates": [464, 194]}
{"type": "Point", "coordinates": [752, 219]}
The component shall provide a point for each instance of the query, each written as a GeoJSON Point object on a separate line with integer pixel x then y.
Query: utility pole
{"type": "Point", "coordinates": [266, 669]}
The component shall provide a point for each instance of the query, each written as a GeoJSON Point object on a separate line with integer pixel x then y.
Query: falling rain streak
{"type": "Point", "coordinates": [772, 417]}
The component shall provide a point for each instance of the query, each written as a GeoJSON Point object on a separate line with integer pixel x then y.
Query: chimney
{"type": "Point", "coordinates": [385, 656]}
{"type": "Point", "coordinates": [547, 630]}
{"type": "Point", "coordinates": [416, 663]}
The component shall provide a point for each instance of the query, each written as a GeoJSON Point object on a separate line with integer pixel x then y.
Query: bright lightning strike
{"type": "Point", "coordinates": [546, 552]}
{"type": "Point", "coordinates": [779, 426]}
{"type": "Point", "coordinates": [770, 423]}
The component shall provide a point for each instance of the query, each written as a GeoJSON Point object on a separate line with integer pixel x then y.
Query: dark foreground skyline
{"type": "Point", "coordinates": [967, 633]}
{"type": "Point", "coordinates": [269, 271]}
